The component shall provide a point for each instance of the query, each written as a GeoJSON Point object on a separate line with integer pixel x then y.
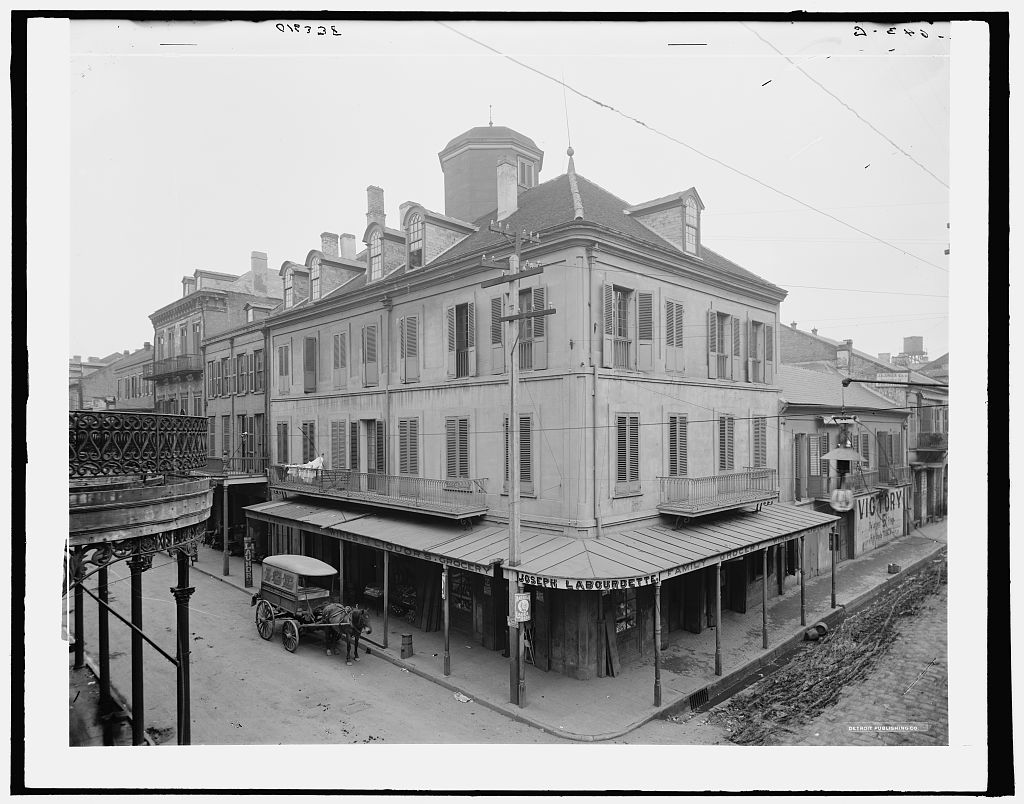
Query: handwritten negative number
{"type": "Point", "coordinates": [321, 30]}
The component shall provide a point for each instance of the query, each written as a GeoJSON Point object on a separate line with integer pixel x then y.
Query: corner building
{"type": "Point", "coordinates": [647, 408]}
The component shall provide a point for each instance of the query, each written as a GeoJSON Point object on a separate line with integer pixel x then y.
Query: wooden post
{"type": "Point", "coordinates": [224, 525]}
{"type": "Point", "coordinates": [341, 570]}
{"type": "Point", "coordinates": [657, 641]}
{"type": "Point", "coordinates": [803, 598]}
{"type": "Point", "coordinates": [764, 598]}
{"type": "Point", "coordinates": [779, 570]}
{"type": "Point", "coordinates": [137, 564]}
{"type": "Point", "coordinates": [386, 574]}
{"type": "Point", "coordinates": [445, 596]}
{"type": "Point", "coordinates": [833, 540]}
{"type": "Point", "coordinates": [718, 618]}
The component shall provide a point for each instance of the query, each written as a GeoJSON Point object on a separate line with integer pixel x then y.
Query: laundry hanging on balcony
{"type": "Point", "coordinates": [306, 472]}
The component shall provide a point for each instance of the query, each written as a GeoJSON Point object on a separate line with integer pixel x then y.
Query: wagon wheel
{"type": "Point", "coordinates": [265, 619]}
{"type": "Point", "coordinates": [290, 635]}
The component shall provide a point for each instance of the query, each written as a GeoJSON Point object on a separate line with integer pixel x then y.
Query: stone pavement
{"type": "Point", "coordinates": [605, 708]}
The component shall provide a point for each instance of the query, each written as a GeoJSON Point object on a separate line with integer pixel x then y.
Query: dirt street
{"type": "Point", "coordinates": [249, 691]}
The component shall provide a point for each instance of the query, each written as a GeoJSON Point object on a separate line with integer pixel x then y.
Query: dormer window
{"type": "Point", "coordinates": [692, 237]}
{"type": "Point", "coordinates": [314, 278]}
{"type": "Point", "coordinates": [376, 255]}
{"type": "Point", "coordinates": [289, 296]}
{"type": "Point", "coordinates": [249, 315]}
{"type": "Point", "coordinates": [527, 174]}
{"type": "Point", "coordinates": [415, 240]}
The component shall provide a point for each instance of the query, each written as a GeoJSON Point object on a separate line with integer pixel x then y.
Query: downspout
{"type": "Point", "coordinates": [387, 382]}
{"type": "Point", "coordinates": [778, 444]}
{"type": "Point", "coordinates": [592, 336]}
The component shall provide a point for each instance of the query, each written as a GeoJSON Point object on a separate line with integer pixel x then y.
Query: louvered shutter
{"type": "Point", "coordinates": [497, 348]}
{"type": "Point", "coordinates": [608, 325]}
{"type": "Point", "coordinates": [769, 354]}
{"type": "Point", "coordinates": [526, 453]}
{"type": "Point", "coordinates": [403, 446]}
{"type": "Point", "coordinates": [712, 344]}
{"type": "Point", "coordinates": [381, 456]}
{"type": "Point", "coordinates": [309, 365]}
{"type": "Point", "coordinates": [751, 357]}
{"type": "Point", "coordinates": [451, 433]}
{"type": "Point", "coordinates": [621, 449]}
{"type": "Point", "coordinates": [463, 447]}
{"type": "Point", "coordinates": [370, 365]}
{"type": "Point", "coordinates": [676, 446]}
{"type": "Point", "coordinates": [401, 349]}
{"type": "Point", "coordinates": [634, 453]}
{"type": "Point", "coordinates": [823, 448]}
{"type": "Point", "coordinates": [412, 347]}
{"type": "Point", "coordinates": [353, 446]}
{"type": "Point", "coordinates": [670, 336]}
{"type": "Point", "coordinates": [450, 340]}
{"type": "Point", "coordinates": [735, 369]}
{"type": "Point", "coordinates": [731, 441]}
{"type": "Point", "coordinates": [865, 450]}
{"type": "Point", "coordinates": [540, 329]}
{"type": "Point", "coordinates": [471, 337]}
{"type": "Point", "coordinates": [338, 444]}
{"type": "Point", "coordinates": [645, 331]}
{"type": "Point", "coordinates": [760, 442]}
{"type": "Point", "coordinates": [414, 446]}
{"type": "Point", "coordinates": [282, 442]}
{"type": "Point", "coordinates": [814, 455]}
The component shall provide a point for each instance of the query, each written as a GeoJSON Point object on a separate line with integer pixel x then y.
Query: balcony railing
{"type": "Point", "coordinates": [820, 487]}
{"type": "Point", "coordinates": [450, 498]}
{"type": "Point", "coordinates": [931, 441]}
{"type": "Point", "coordinates": [173, 366]}
{"type": "Point", "coordinates": [894, 475]}
{"type": "Point", "coordinates": [236, 465]}
{"type": "Point", "coordinates": [112, 443]}
{"type": "Point", "coordinates": [525, 355]}
{"type": "Point", "coordinates": [620, 353]}
{"type": "Point", "coordinates": [695, 496]}
{"type": "Point", "coordinates": [462, 363]}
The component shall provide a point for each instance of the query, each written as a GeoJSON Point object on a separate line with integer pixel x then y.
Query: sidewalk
{"type": "Point", "coordinates": [605, 708]}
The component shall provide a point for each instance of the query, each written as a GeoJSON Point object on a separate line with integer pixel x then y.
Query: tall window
{"type": "Point", "coordinates": [376, 255]}
{"type": "Point", "coordinates": [409, 348]}
{"type": "Point", "coordinates": [674, 337]}
{"type": "Point", "coordinates": [461, 338]}
{"type": "Point", "coordinates": [525, 454]}
{"type": "Point", "coordinates": [408, 446]}
{"type": "Point", "coordinates": [726, 443]}
{"type": "Point", "coordinates": [627, 454]}
{"type": "Point", "coordinates": [309, 364]}
{"type": "Point", "coordinates": [338, 434]}
{"type": "Point", "coordinates": [314, 278]}
{"type": "Point", "coordinates": [242, 372]}
{"type": "Point", "coordinates": [308, 441]}
{"type": "Point", "coordinates": [370, 370]}
{"type": "Point", "coordinates": [691, 226]}
{"type": "Point", "coordinates": [282, 442]}
{"type": "Point", "coordinates": [211, 436]}
{"type": "Point", "coordinates": [228, 370]}
{"type": "Point", "coordinates": [284, 377]}
{"type": "Point", "coordinates": [197, 336]}
{"type": "Point", "coordinates": [457, 447]}
{"type": "Point", "coordinates": [258, 373]}
{"type": "Point", "coordinates": [677, 459]}
{"type": "Point", "coordinates": [289, 289]}
{"type": "Point", "coordinates": [209, 378]}
{"type": "Point", "coordinates": [415, 237]}
{"type": "Point", "coordinates": [197, 404]}
{"type": "Point", "coordinates": [760, 446]}
{"type": "Point", "coordinates": [527, 174]}
{"type": "Point", "coordinates": [376, 447]}
{"type": "Point", "coordinates": [865, 450]}
{"type": "Point", "coordinates": [340, 363]}
{"type": "Point", "coordinates": [225, 436]}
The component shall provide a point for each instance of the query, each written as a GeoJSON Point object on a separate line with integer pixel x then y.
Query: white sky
{"type": "Point", "coordinates": [191, 156]}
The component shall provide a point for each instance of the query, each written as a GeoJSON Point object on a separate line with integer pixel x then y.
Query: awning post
{"type": "Point", "coordinates": [764, 598]}
{"type": "Point", "coordinates": [224, 524]}
{"type": "Point", "coordinates": [657, 641]}
{"type": "Point", "coordinates": [833, 540]}
{"type": "Point", "coordinates": [444, 597]}
{"type": "Point", "coordinates": [387, 555]}
{"type": "Point", "coordinates": [803, 600]}
{"type": "Point", "coordinates": [718, 618]}
{"type": "Point", "coordinates": [136, 564]}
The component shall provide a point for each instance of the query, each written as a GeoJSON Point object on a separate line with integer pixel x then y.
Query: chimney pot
{"type": "Point", "coordinates": [329, 244]}
{"type": "Point", "coordinates": [147, 345]}
{"type": "Point", "coordinates": [374, 205]}
{"type": "Point", "coordinates": [508, 189]}
{"type": "Point", "coordinates": [258, 263]}
{"type": "Point", "coordinates": [125, 353]}
{"type": "Point", "coordinates": [793, 324]}
{"type": "Point", "coordinates": [814, 330]}
{"type": "Point", "coordinates": [348, 246]}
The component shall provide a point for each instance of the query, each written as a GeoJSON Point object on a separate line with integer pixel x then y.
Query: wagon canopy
{"type": "Point", "coordinates": [300, 565]}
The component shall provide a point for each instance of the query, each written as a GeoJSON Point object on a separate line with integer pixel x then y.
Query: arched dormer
{"type": "Point", "coordinates": [414, 226]}
{"type": "Point", "coordinates": [675, 218]}
{"type": "Point", "coordinates": [374, 240]}
{"type": "Point", "coordinates": [295, 283]}
{"type": "Point", "coordinates": [313, 260]}
{"type": "Point", "coordinates": [692, 208]}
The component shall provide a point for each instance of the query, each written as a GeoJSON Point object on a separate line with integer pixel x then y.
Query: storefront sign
{"type": "Point", "coordinates": [880, 517]}
{"type": "Point", "coordinates": [248, 560]}
{"type": "Point", "coordinates": [587, 585]}
{"type": "Point", "coordinates": [522, 607]}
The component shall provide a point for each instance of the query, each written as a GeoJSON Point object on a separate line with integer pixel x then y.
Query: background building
{"type": "Point", "coordinates": [133, 392]}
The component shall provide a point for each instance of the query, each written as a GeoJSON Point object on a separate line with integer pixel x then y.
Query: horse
{"type": "Point", "coordinates": [349, 622]}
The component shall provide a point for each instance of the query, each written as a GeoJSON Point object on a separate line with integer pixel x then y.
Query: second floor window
{"type": "Point", "coordinates": [723, 346]}
{"type": "Point", "coordinates": [525, 454]}
{"type": "Point", "coordinates": [340, 362]}
{"type": "Point", "coordinates": [211, 436]}
{"type": "Point", "coordinates": [674, 337]}
{"type": "Point", "coordinates": [415, 236]}
{"type": "Point", "coordinates": [628, 333]}
{"type": "Point", "coordinates": [726, 443]}
{"type": "Point", "coordinates": [409, 348]}
{"type": "Point", "coordinates": [282, 442]}
{"type": "Point", "coordinates": [376, 255]}
{"type": "Point", "coordinates": [456, 447]}
{"type": "Point", "coordinates": [227, 372]}
{"type": "Point", "coordinates": [408, 446]}
{"type": "Point", "coordinates": [677, 459]}
{"type": "Point", "coordinates": [760, 450]}
{"type": "Point", "coordinates": [339, 431]}
{"type": "Point", "coordinates": [461, 340]}
{"type": "Point", "coordinates": [209, 379]}
{"type": "Point", "coordinates": [308, 441]}
{"type": "Point", "coordinates": [283, 369]}
{"type": "Point", "coordinates": [370, 373]}
{"type": "Point", "coordinates": [627, 454]}
{"type": "Point", "coordinates": [309, 365]}
{"type": "Point", "coordinates": [242, 372]}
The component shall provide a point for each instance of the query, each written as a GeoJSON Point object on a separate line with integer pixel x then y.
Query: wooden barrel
{"type": "Point", "coordinates": [406, 646]}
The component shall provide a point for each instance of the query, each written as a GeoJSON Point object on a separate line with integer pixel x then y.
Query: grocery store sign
{"type": "Point", "coordinates": [585, 585]}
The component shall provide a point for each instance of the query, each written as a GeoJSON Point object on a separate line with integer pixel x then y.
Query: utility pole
{"type": "Point", "coordinates": [516, 633]}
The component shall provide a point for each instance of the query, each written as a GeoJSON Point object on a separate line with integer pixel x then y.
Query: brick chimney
{"type": "Point", "coordinates": [330, 244]}
{"type": "Point", "coordinates": [885, 357]}
{"type": "Point", "coordinates": [374, 205]}
{"type": "Point", "coordinates": [508, 189]}
{"type": "Point", "coordinates": [147, 345]}
{"type": "Point", "coordinates": [348, 246]}
{"type": "Point", "coordinates": [793, 324]}
{"type": "Point", "coordinates": [125, 353]}
{"type": "Point", "coordinates": [814, 330]}
{"type": "Point", "coordinates": [258, 261]}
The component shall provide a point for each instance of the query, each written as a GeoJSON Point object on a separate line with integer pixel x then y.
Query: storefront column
{"type": "Point", "coordinates": [137, 564]}
{"type": "Point", "coordinates": [780, 571]}
{"type": "Point", "coordinates": [764, 598]}
{"type": "Point", "coordinates": [803, 599]}
{"type": "Point", "coordinates": [224, 526]}
{"type": "Point", "coordinates": [386, 574]}
{"type": "Point", "coordinates": [718, 618]}
{"type": "Point", "coordinates": [447, 619]}
{"type": "Point", "coordinates": [657, 641]}
{"type": "Point", "coordinates": [341, 570]}
{"type": "Point", "coordinates": [833, 538]}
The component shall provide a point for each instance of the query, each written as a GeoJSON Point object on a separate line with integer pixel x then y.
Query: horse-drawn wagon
{"type": "Point", "coordinates": [299, 591]}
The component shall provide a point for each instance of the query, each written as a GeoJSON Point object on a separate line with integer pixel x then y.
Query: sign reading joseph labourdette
{"type": "Point", "coordinates": [585, 585]}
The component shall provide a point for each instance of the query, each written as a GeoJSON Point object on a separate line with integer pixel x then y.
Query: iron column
{"type": "Point", "coordinates": [803, 599]}
{"type": "Point", "coordinates": [104, 648]}
{"type": "Point", "coordinates": [445, 595]}
{"type": "Point", "coordinates": [79, 625]}
{"type": "Point", "coordinates": [182, 592]}
{"type": "Point", "coordinates": [657, 641]}
{"type": "Point", "coordinates": [137, 564]}
{"type": "Point", "coordinates": [764, 598]}
{"type": "Point", "coordinates": [718, 618]}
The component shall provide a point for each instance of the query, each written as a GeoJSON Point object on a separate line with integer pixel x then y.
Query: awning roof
{"type": "Point", "coordinates": [647, 550]}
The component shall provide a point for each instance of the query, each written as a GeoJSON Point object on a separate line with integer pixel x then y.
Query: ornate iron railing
{"type": "Point", "coordinates": [110, 443]}
{"type": "Point", "coordinates": [697, 495]}
{"type": "Point", "coordinates": [461, 497]}
{"type": "Point", "coordinates": [620, 353]}
{"type": "Point", "coordinates": [180, 364]}
{"type": "Point", "coordinates": [931, 441]}
{"type": "Point", "coordinates": [894, 475]}
{"type": "Point", "coordinates": [820, 486]}
{"type": "Point", "coordinates": [237, 465]}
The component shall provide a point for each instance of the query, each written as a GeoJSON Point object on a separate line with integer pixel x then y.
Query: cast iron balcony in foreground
{"type": "Point", "coordinates": [695, 496]}
{"type": "Point", "coordinates": [456, 499]}
{"type": "Point", "coordinates": [235, 466]}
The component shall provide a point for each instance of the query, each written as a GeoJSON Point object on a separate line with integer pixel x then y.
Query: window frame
{"type": "Point", "coordinates": [726, 442]}
{"type": "Point", "coordinates": [289, 288]}
{"type": "Point", "coordinates": [375, 255]}
{"type": "Point", "coordinates": [527, 487]}
{"type": "Point", "coordinates": [415, 233]}
{"type": "Point", "coordinates": [626, 468]}
{"type": "Point", "coordinates": [314, 279]}
{"type": "Point", "coordinates": [677, 443]}
{"type": "Point", "coordinates": [408, 446]}
{"type": "Point", "coordinates": [462, 455]}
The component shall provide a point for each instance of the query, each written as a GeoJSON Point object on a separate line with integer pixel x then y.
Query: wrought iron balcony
{"type": "Point", "coordinates": [456, 499]}
{"type": "Point", "coordinates": [170, 367]}
{"type": "Point", "coordinates": [893, 475]}
{"type": "Point", "coordinates": [696, 496]}
{"type": "Point", "coordinates": [934, 442]}
{"type": "Point", "coordinates": [820, 487]}
{"type": "Point", "coordinates": [236, 466]}
{"type": "Point", "coordinates": [119, 443]}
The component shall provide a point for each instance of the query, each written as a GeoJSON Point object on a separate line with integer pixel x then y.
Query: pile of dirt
{"type": "Point", "coordinates": [806, 686]}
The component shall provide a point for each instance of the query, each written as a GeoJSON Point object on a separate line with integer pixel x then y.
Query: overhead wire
{"type": "Point", "coordinates": [692, 148]}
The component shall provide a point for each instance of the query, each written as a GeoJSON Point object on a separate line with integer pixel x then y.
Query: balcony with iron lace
{"type": "Point", "coordinates": [457, 498]}
{"type": "Point", "coordinates": [170, 368]}
{"type": "Point", "coordinates": [698, 496]}
{"type": "Point", "coordinates": [820, 487]}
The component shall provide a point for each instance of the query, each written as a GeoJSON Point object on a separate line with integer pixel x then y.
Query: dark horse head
{"type": "Point", "coordinates": [360, 621]}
